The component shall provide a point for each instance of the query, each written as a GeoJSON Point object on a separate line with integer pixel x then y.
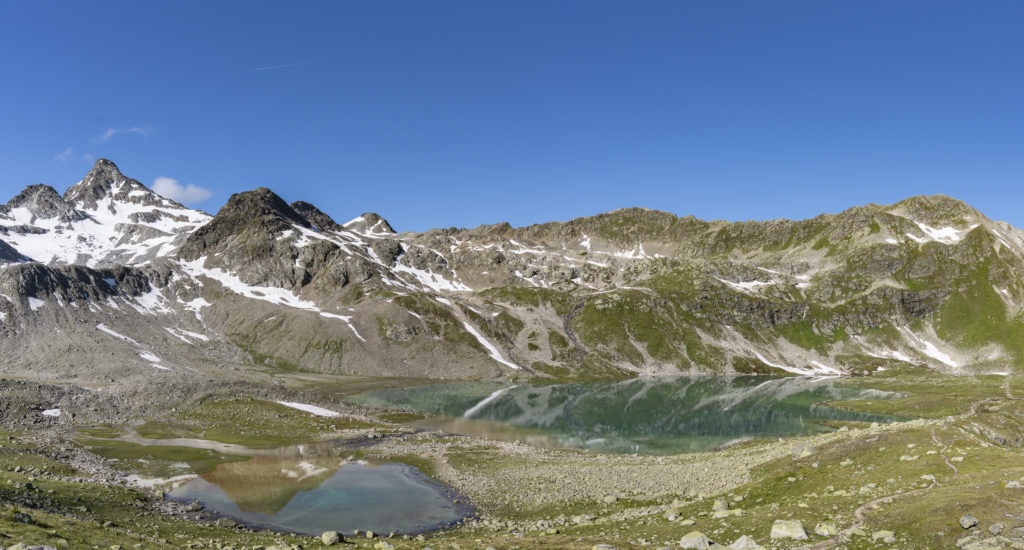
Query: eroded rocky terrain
{"type": "Point", "coordinates": [113, 283]}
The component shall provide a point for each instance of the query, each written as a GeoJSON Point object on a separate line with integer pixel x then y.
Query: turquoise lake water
{"type": "Point", "coordinates": [658, 415]}
{"type": "Point", "coordinates": [312, 495]}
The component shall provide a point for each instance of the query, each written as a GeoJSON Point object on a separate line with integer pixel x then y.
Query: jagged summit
{"type": "Point", "coordinates": [370, 223]}
{"type": "Point", "coordinates": [96, 185]}
{"type": "Point", "coordinates": [105, 219]}
{"type": "Point", "coordinates": [315, 216]}
{"type": "Point", "coordinates": [106, 184]}
{"type": "Point", "coordinates": [259, 203]}
{"type": "Point", "coordinates": [246, 234]}
{"type": "Point", "coordinates": [43, 201]}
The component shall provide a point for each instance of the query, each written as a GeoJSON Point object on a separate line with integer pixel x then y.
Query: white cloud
{"type": "Point", "coordinates": [144, 131]}
{"type": "Point", "coordinates": [89, 158]}
{"type": "Point", "coordinates": [63, 157]}
{"type": "Point", "coordinates": [185, 194]}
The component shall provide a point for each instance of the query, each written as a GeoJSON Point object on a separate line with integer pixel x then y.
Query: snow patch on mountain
{"type": "Point", "coordinates": [929, 348]}
{"type": "Point", "coordinates": [491, 349]}
{"type": "Point", "coordinates": [311, 409]}
{"type": "Point", "coordinates": [273, 295]}
{"type": "Point", "coordinates": [109, 331]}
{"type": "Point", "coordinates": [945, 235]}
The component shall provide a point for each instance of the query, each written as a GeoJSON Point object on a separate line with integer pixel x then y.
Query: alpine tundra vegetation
{"type": "Point", "coordinates": [149, 349]}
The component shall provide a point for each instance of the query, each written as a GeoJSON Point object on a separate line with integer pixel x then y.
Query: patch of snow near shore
{"type": "Point", "coordinates": [929, 349]}
{"type": "Point", "coordinates": [826, 368]}
{"type": "Point", "coordinates": [491, 350]}
{"type": "Point", "coordinates": [796, 370]}
{"type": "Point", "coordinates": [150, 482]}
{"type": "Point", "coordinates": [311, 409]}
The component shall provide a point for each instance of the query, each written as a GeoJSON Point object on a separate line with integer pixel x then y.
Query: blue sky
{"type": "Point", "coordinates": [443, 113]}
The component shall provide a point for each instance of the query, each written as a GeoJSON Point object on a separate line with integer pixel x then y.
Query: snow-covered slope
{"type": "Point", "coordinates": [104, 220]}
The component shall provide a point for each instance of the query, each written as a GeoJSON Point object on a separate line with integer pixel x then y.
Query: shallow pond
{"type": "Point", "coordinates": [656, 415]}
{"type": "Point", "coordinates": [308, 490]}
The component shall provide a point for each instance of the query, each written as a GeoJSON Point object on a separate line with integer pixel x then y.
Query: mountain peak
{"type": "Point", "coordinates": [43, 201]}
{"type": "Point", "coordinates": [259, 203]}
{"type": "Point", "coordinates": [105, 180]}
{"type": "Point", "coordinates": [936, 209]}
{"type": "Point", "coordinates": [96, 185]}
{"type": "Point", "coordinates": [260, 209]}
{"type": "Point", "coordinates": [315, 216]}
{"type": "Point", "coordinates": [369, 222]}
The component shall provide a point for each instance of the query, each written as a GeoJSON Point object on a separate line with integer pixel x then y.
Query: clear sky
{"type": "Point", "coordinates": [444, 113]}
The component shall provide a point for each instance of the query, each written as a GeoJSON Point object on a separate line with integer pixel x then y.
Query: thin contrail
{"type": "Point", "coordinates": [273, 67]}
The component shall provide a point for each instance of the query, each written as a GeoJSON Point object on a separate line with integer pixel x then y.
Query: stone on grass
{"type": "Point", "coordinates": [885, 536]}
{"type": "Point", "coordinates": [995, 528]}
{"type": "Point", "coordinates": [746, 542]}
{"type": "Point", "coordinates": [788, 529]}
{"type": "Point", "coordinates": [804, 451]}
{"type": "Point", "coordinates": [719, 505]}
{"type": "Point", "coordinates": [968, 521]}
{"type": "Point", "coordinates": [826, 529]}
{"type": "Point", "coordinates": [695, 540]}
{"type": "Point", "coordinates": [330, 537]}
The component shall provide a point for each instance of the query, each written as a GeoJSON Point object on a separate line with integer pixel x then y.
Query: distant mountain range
{"type": "Point", "coordinates": [111, 283]}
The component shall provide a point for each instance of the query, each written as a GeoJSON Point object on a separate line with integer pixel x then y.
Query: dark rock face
{"type": "Point", "coordinates": [44, 202]}
{"type": "Point", "coordinates": [318, 219]}
{"type": "Point", "coordinates": [424, 258]}
{"type": "Point", "coordinates": [252, 219]}
{"type": "Point", "coordinates": [69, 283]}
{"type": "Point", "coordinates": [9, 255]}
{"type": "Point", "coordinates": [388, 250]}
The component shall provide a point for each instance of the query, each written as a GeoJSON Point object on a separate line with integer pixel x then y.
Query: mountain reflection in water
{"type": "Point", "coordinates": [641, 415]}
{"type": "Point", "coordinates": [308, 490]}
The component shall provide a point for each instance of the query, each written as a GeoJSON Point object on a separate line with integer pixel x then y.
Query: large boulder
{"type": "Point", "coordinates": [746, 542]}
{"type": "Point", "coordinates": [695, 540]}
{"type": "Point", "coordinates": [788, 529]}
{"type": "Point", "coordinates": [330, 538]}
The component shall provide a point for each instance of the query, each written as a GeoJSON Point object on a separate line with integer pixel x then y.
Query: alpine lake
{"type": "Point", "coordinates": [309, 489]}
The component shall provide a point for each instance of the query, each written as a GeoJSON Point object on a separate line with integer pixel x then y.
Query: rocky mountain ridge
{"type": "Point", "coordinates": [111, 282]}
